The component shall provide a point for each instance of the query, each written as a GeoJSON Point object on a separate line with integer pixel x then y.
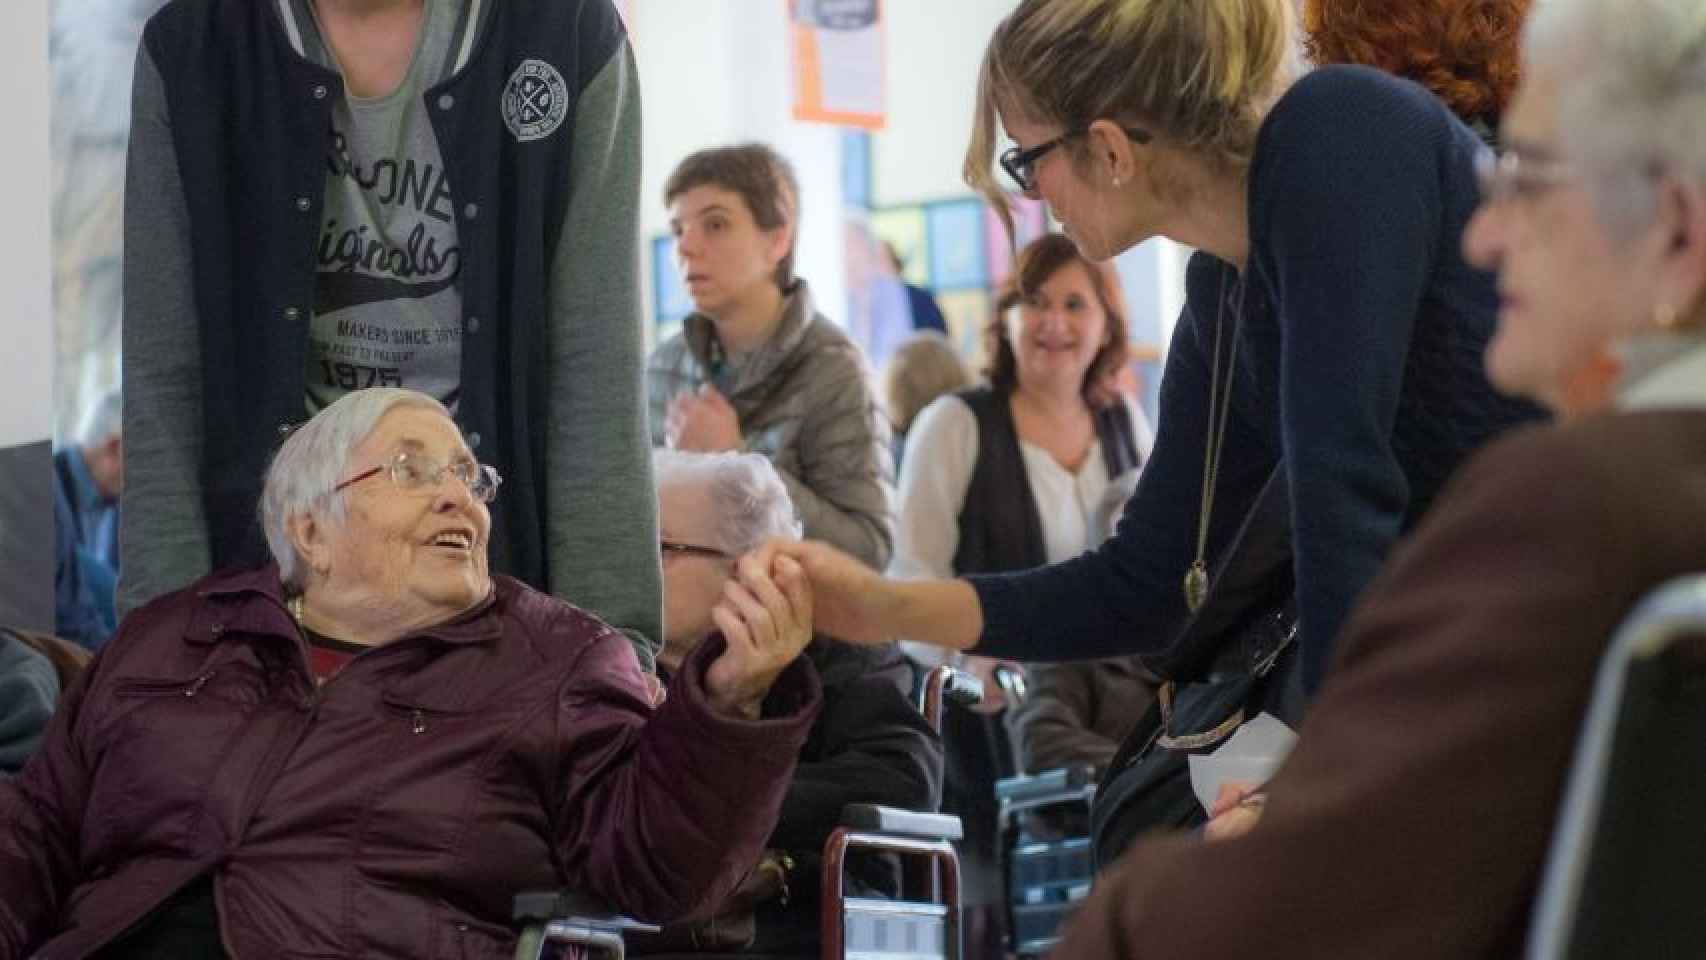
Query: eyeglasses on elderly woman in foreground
{"type": "Point", "coordinates": [371, 745]}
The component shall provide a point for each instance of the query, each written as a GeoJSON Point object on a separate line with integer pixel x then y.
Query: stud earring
{"type": "Point", "coordinates": [1665, 316]}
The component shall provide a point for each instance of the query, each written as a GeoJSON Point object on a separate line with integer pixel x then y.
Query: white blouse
{"type": "Point", "coordinates": [1078, 509]}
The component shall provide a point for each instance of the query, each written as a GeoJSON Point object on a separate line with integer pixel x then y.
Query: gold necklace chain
{"type": "Point", "coordinates": [1219, 409]}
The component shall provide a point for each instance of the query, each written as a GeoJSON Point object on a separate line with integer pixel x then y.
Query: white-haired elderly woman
{"type": "Point", "coordinates": [1413, 818]}
{"type": "Point", "coordinates": [868, 745]}
{"type": "Point", "coordinates": [369, 747]}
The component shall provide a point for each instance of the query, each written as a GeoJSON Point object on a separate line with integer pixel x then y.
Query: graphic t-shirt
{"type": "Point", "coordinates": [387, 311]}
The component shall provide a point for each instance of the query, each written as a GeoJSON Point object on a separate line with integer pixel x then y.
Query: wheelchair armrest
{"type": "Point", "coordinates": [962, 689]}
{"type": "Point", "coordinates": [545, 906]}
{"type": "Point", "coordinates": [902, 823]}
{"type": "Point", "coordinates": [1063, 782]}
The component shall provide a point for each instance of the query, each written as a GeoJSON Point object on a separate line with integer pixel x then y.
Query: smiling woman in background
{"type": "Point", "coordinates": [1021, 472]}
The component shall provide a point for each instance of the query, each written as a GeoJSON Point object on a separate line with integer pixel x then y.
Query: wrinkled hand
{"type": "Point", "coordinates": [765, 615]}
{"type": "Point", "coordinates": [851, 599]}
{"type": "Point", "coordinates": [703, 421]}
{"type": "Point", "coordinates": [655, 689]}
{"type": "Point", "coordinates": [994, 697]}
{"type": "Point", "coordinates": [1237, 808]}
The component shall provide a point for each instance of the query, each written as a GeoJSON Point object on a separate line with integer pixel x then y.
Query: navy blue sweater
{"type": "Point", "coordinates": [1360, 367]}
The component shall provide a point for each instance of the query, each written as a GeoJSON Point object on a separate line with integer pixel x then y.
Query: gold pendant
{"type": "Point", "coordinates": [1196, 586]}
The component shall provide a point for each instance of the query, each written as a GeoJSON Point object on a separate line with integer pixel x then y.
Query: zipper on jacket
{"type": "Point", "coordinates": [163, 688]}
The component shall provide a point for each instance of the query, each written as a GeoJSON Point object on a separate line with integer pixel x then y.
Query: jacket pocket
{"type": "Point", "coordinates": [419, 716]}
{"type": "Point", "coordinates": [158, 744]}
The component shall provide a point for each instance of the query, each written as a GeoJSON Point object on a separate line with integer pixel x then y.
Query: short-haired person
{"type": "Point", "coordinates": [1331, 325]}
{"type": "Point", "coordinates": [88, 480]}
{"type": "Point", "coordinates": [1413, 818]}
{"type": "Point", "coordinates": [926, 312]}
{"type": "Point", "coordinates": [869, 744]}
{"type": "Point", "coordinates": [756, 367]}
{"type": "Point", "coordinates": [923, 367]}
{"type": "Point", "coordinates": [371, 745]}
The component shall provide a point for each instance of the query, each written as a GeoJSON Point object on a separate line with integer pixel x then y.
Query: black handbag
{"type": "Point", "coordinates": [1235, 659]}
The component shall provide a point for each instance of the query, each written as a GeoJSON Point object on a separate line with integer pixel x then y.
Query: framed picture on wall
{"type": "Point", "coordinates": [906, 230]}
{"type": "Point", "coordinates": [670, 302]}
{"type": "Point", "coordinates": [957, 254]}
{"type": "Point", "coordinates": [1029, 222]}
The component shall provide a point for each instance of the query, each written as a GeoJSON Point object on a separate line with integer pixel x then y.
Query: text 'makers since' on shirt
{"type": "Point", "coordinates": [387, 310]}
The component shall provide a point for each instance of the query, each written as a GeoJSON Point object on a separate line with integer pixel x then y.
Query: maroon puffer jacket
{"type": "Point", "coordinates": [396, 810]}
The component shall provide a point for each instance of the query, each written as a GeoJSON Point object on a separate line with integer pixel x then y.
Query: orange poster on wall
{"type": "Point", "coordinates": [838, 62]}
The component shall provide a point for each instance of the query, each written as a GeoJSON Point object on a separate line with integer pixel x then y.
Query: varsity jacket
{"type": "Point", "coordinates": [539, 127]}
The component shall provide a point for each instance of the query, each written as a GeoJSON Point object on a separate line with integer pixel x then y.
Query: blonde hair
{"type": "Point", "coordinates": [1199, 74]}
{"type": "Point", "coordinates": [923, 368]}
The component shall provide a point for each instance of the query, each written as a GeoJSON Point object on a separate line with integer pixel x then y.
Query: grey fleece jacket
{"type": "Point", "coordinates": [29, 686]}
{"type": "Point", "coordinates": [601, 511]}
{"type": "Point", "coordinates": [804, 400]}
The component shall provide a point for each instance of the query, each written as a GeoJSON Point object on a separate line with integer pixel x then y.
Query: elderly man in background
{"type": "Point", "coordinates": [88, 478]}
{"type": "Point", "coordinates": [1413, 818]}
{"type": "Point", "coordinates": [869, 745]}
{"type": "Point", "coordinates": [370, 746]}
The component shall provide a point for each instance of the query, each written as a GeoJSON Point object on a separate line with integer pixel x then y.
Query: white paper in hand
{"type": "Point", "coordinates": [1251, 756]}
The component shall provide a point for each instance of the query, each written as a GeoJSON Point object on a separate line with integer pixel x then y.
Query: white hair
{"type": "Point", "coordinates": [103, 419]}
{"type": "Point", "coordinates": [1633, 97]}
{"type": "Point", "coordinates": [314, 459]}
{"type": "Point", "coordinates": [749, 501]}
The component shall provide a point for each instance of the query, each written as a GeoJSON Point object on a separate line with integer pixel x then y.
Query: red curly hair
{"type": "Point", "coordinates": [1466, 51]}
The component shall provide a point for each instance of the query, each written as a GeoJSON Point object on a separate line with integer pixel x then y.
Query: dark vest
{"type": "Point", "coordinates": [1000, 528]}
{"type": "Point", "coordinates": [250, 121]}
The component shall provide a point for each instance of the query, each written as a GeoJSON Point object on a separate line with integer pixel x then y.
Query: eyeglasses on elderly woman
{"type": "Point", "coordinates": [413, 471]}
{"type": "Point", "coordinates": [1515, 173]}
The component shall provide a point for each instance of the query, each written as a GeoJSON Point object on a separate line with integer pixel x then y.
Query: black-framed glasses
{"type": "Point", "coordinates": [1021, 165]}
{"type": "Point", "coordinates": [667, 547]}
{"type": "Point", "coordinates": [413, 471]}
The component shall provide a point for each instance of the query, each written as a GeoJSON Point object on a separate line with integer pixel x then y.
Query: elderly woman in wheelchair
{"type": "Point", "coordinates": [371, 745]}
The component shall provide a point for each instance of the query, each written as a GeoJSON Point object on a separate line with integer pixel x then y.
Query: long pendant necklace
{"type": "Point", "coordinates": [1219, 408]}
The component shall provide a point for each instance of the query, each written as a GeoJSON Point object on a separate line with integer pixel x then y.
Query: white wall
{"type": "Point", "coordinates": [26, 304]}
{"type": "Point", "coordinates": [26, 323]}
{"type": "Point", "coordinates": [715, 72]}
{"type": "Point", "coordinates": [934, 49]}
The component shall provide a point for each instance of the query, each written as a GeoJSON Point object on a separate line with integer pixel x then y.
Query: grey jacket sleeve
{"type": "Point", "coordinates": [601, 519]}
{"type": "Point", "coordinates": [163, 541]}
{"type": "Point", "coordinates": [846, 494]}
{"type": "Point", "coordinates": [28, 688]}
